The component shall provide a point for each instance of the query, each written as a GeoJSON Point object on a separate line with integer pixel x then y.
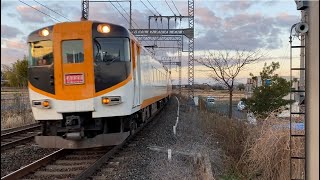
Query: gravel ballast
{"type": "Point", "coordinates": [13, 159]}
{"type": "Point", "coordinates": [146, 157]}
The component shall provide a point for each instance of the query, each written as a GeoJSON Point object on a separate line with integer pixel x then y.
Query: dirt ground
{"type": "Point", "coordinates": [219, 94]}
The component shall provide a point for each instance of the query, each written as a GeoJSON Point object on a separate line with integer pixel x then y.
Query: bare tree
{"type": "Point", "coordinates": [227, 65]}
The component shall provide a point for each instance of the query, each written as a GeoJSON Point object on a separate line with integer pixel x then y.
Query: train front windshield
{"type": "Point", "coordinates": [40, 53]}
{"type": "Point", "coordinates": [111, 50]}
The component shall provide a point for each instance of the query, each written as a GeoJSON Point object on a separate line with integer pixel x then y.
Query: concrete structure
{"type": "Point", "coordinates": [312, 90]}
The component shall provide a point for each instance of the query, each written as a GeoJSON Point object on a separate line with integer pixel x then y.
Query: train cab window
{"type": "Point", "coordinates": [40, 53]}
{"type": "Point", "coordinates": [72, 51]}
{"type": "Point", "coordinates": [111, 50]}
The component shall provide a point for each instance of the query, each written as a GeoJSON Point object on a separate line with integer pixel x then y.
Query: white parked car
{"type": "Point", "coordinates": [241, 106]}
{"type": "Point", "coordinates": [210, 100]}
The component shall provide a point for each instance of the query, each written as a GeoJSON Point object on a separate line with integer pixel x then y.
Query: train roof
{"type": "Point", "coordinates": [116, 31]}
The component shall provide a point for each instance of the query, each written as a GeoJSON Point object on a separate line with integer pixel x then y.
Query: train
{"type": "Point", "coordinates": [92, 83]}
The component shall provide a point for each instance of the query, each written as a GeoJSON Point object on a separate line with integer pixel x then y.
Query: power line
{"type": "Point", "coordinates": [153, 7]}
{"type": "Point", "coordinates": [123, 16]}
{"type": "Point", "coordinates": [169, 7]}
{"type": "Point", "coordinates": [119, 12]}
{"type": "Point", "coordinates": [51, 10]}
{"type": "Point", "coordinates": [39, 11]}
{"type": "Point", "coordinates": [127, 14]}
{"type": "Point", "coordinates": [176, 7]}
{"type": "Point", "coordinates": [147, 7]}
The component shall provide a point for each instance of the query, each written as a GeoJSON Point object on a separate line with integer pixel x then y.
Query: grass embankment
{"type": "Point", "coordinates": [253, 151]}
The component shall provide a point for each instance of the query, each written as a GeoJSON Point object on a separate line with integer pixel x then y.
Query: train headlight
{"type": "Point", "coordinates": [44, 32]}
{"type": "Point", "coordinates": [105, 100]}
{"type": "Point", "coordinates": [42, 104]}
{"type": "Point", "coordinates": [46, 104]}
{"type": "Point", "coordinates": [111, 100]}
{"type": "Point", "coordinates": [103, 28]}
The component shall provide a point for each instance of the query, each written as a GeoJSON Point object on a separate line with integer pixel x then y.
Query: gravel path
{"type": "Point", "coordinates": [13, 159]}
{"type": "Point", "coordinates": [147, 157]}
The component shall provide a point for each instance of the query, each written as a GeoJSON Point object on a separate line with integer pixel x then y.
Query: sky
{"type": "Point", "coordinates": [219, 25]}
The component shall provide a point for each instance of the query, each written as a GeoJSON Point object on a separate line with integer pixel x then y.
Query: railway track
{"type": "Point", "coordinates": [74, 164]}
{"type": "Point", "coordinates": [16, 136]}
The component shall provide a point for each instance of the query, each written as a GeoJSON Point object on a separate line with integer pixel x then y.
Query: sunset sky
{"type": "Point", "coordinates": [219, 25]}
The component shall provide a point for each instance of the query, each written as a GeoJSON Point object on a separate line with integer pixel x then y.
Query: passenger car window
{"type": "Point", "coordinates": [72, 51]}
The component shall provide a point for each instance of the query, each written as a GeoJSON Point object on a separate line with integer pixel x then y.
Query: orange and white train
{"type": "Point", "coordinates": [91, 84]}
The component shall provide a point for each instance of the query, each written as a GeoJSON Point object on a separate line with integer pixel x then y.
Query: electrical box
{"type": "Point", "coordinates": [301, 5]}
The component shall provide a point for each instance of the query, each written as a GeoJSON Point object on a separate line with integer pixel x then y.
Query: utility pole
{"type": "Point", "coordinates": [191, 49]}
{"type": "Point", "coordinates": [130, 14]}
{"type": "Point", "coordinates": [85, 10]}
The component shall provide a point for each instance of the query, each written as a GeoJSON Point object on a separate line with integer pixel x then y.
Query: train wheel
{"type": "Point", "coordinates": [144, 116]}
{"type": "Point", "coordinates": [133, 126]}
{"type": "Point", "coordinates": [43, 128]}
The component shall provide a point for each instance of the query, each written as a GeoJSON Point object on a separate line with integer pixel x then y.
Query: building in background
{"type": "Point", "coordinates": [257, 82]}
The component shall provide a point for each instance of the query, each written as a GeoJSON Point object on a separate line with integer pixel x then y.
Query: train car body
{"type": "Point", "coordinates": [92, 83]}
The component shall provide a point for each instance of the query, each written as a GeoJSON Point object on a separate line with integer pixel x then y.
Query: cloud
{"type": "Point", "coordinates": [284, 19]}
{"type": "Point", "coordinates": [139, 18]}
{"type": "Point", "coordinates": [28, 14]}
{"type": "Point", "coordinates": [246, 31]}
{"type": "Point", "coordinates": [238, 5]}
{"type": "Point", "coordinates": [13, 44]}
{"type": "Point", "coordinates": [65, 11]}
{"type": "Point", "coordinates": [6, 4]}
{"type": "Point", "coordinates": [207, 18]}
{"type": "Point", "coordinates": [9, 32]}
{"type": "Point", "coordinates": [10, 55]}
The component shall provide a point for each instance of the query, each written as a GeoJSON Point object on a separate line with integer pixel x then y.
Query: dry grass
{"type": "Point", "coordinates": [267, 152]}
{"type": "Point", "coordinates": [255, 152]}
{"type": "Point", "coordinates": [229, 134]}
{"type": "Point", "coordinates": [13, 119]}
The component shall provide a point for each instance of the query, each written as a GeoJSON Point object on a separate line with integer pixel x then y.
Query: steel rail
{"type": "Point", "coordinates": [35, 165]}
{"type": "Point", "coordinates": [6, 131]}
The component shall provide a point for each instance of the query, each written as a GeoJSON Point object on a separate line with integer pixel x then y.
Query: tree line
{"type": "Point", "coordinates": [226, 66]}
{"type": "Point", "coordinates": [16, 74]}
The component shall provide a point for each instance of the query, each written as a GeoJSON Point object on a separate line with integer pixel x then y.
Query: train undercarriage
{"type": "Point", "coordinates": [79, 130]}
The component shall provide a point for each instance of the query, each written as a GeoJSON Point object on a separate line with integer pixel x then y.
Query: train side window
{"type": "Point", "coordinates": [72, 51]}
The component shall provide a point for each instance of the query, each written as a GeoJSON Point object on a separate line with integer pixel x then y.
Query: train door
{"type": "Point", "coordinates": [136, 73]}
{"type": "Point", "coordinates": [74, 79]}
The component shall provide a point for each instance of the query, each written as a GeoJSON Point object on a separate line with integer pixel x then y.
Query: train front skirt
{"type": "Point", "coordinates": [101, 140]}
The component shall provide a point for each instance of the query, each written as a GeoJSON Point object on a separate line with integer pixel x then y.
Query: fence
{"type": "Point", "coordinates": [15, 102]}
{"type": "Point", "coordinates": [221, 106]}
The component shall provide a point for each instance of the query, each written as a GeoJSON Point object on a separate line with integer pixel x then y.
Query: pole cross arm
{"type": "Point", "coordinates": [159, 38]}
{"type": "Point", "coordinates": [171, 63]}
{"type": "Point", "coordinates": [186, 32]}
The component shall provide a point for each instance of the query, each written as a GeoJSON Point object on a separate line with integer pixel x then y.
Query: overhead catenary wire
{"type": "Point", "coordinates": [169, 7]}
{"type": "Point", "coordinates": [127, 14]}
{"type": "Point", "coordinates": [51, 10]}
{"type": "Point", "coordinates": [147, 7]}
{"type": "Point", "coordinates": [151, 10]}
{"type": "Point", "coordinates": [123, 16]}
{"type": "Point", "coordinates": [154, 8]}
{"type": "Point", "coordinates": [39, 11]}
{"type": "Point", "coordinates": [176, 7]}
{"type": "Point", "coordinates": [120, 12]}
